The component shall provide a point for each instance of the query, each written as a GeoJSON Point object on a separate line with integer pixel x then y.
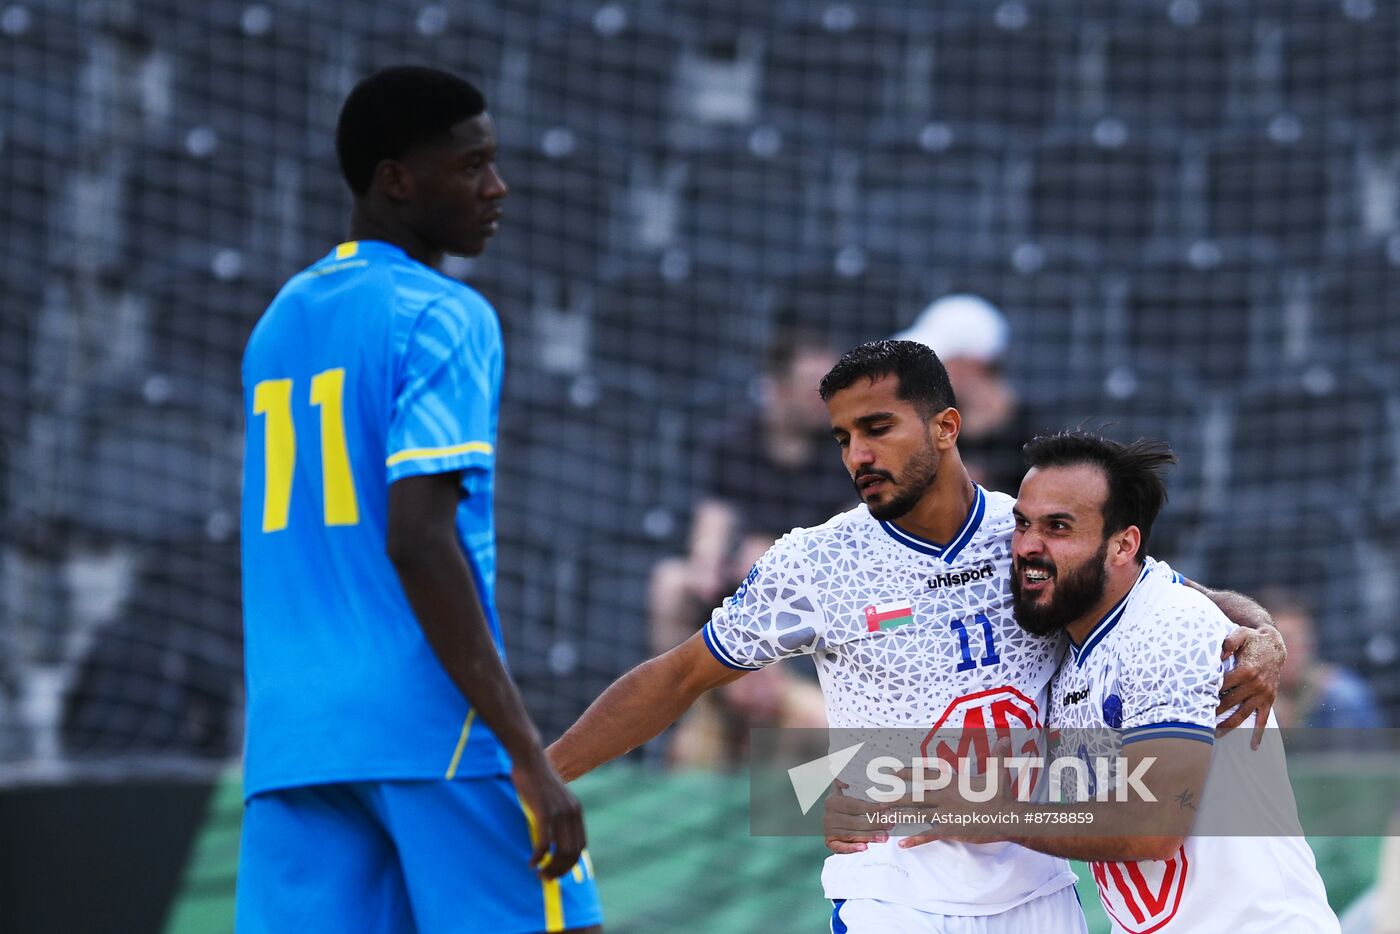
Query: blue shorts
{"type": "Point", "coordinates": [408, 856]}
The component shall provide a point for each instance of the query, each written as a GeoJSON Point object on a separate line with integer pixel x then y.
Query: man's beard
{"type": "Point", "coordinates": [918, 476]}
{"type": "Point", "coordinates": [1075, 594]}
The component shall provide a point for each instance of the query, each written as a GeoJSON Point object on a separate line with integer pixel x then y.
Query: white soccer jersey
{"type": "Point", "coordinates": [910, 634]}
{"type": "Point", "coordinates": [1150, 669]}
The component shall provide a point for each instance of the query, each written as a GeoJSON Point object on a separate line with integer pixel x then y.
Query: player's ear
{"type": "Point", "coordinates": [947, 425]}
{"type": "Point", "coordinates": [393, 179]}
{"type": "Point", "coordinates": [1127, 544]}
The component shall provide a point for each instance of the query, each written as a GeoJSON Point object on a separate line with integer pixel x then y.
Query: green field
{"type": "Point", "coordinates": [673, 854]}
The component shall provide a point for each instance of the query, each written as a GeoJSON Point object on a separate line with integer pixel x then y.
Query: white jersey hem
{"type": "Point", "coordinates": [902, 896]}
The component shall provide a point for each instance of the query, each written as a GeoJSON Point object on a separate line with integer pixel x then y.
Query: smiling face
{"type": "Point", "coordinates": [455, 203]}
{"type": "Point", "coordinates": [888, 447]}
{"type": "Point", "coordinates": [1060, 554]}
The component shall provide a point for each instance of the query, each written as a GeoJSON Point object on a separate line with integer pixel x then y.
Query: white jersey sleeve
{"type": "Point", "coordinates": [1162, 570]}
{"type": "Point", "coordinates": [775, 613]}
{"type": "Point", "coordinates": [1172, 687]}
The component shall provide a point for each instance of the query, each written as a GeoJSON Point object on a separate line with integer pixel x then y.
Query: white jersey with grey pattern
{"type": "Point", "coordinates": [910, 634]}
{"type": "Point", "coordinates": [1151, 669]}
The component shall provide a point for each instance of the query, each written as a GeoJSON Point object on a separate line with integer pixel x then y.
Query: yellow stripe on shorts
{"type": "Point", "coordinates": [553, 898]}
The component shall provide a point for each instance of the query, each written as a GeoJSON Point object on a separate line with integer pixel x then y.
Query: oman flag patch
{"type": "Point", "coordinates": [883, 616]}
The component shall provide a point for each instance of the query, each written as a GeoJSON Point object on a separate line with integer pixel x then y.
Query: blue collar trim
{"type": "Point", "coordinates": [1104, 626]}
{"type": "Point", "coordinates": [952, 549]}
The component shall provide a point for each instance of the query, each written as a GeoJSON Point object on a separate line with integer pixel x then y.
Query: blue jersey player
{"type": "Point", "coordinates": [394, 781]}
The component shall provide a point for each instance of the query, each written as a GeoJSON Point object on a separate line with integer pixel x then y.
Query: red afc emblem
{"type": "Point", "coordinates": [976, 722]}
{"type": "Point", "coordinates": [1142, 897]}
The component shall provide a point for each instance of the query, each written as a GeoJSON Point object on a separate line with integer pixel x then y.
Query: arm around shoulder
{"type": "Point", "coordinates": [1259, 653]}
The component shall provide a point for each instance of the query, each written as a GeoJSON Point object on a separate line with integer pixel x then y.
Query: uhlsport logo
{"type": "Point", "coordinates": [959, 578]}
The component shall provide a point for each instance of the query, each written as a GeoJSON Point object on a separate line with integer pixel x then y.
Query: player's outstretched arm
{"type": "Point", "coordinates": [422, 544]}
{"type": "Point", "coordinates": [638, 706]}
{"type": "Point", "coordinates": [1252, 685]}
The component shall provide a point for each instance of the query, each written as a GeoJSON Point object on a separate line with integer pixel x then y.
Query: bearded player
{"type": "Point", "coordinates": [1143, 675]}
{"type": "Point", "coordinates": [904, 605]}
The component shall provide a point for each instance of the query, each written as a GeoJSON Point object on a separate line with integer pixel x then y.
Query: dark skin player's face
{"type": "Point", "coordinates": [454, 204]}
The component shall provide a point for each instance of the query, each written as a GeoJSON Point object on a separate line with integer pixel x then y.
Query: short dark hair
{"type": "Point", "coordinates": [1136, 492]}
{"type": "Point", "coordinates": [396, 109]}
{"type": "Point", "coordinates": [922, 377]}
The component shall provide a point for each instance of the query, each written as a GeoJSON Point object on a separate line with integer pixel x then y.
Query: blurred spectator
{"type": "Point", "coordinates": [970, 336]}
{"type": "Point", "coordinates": [1313, 693]}
{"type": "Point", "coordinates": [766, 471]}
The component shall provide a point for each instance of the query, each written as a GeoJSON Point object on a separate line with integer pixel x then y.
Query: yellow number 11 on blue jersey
{"type": "Point", "coordinates": [273, 398]}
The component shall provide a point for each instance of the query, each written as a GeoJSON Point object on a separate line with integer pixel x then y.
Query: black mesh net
{"type": "Point", "coordinates": [1189, 214]}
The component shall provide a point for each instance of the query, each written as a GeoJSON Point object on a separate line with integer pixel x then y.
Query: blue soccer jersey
{"type": "Point", "coordinates": [368, 367]}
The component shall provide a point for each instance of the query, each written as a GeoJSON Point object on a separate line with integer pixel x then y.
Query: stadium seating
{"type": "Point", "coordinates": [21, 306]}
{"type": "Point", "coordinates": [563, 203]}
{"type": "Point", "coordinates": [1102, 197]}
{"type": "Point", "coordinates": [457, 37]}
{"type": "Point", "coordinates": [155, 473]}
{"type": "Point", "coordinates": [1186, 211]}
{"type": "Point", "coordinates": [40, 64]}
{"type": "Point", "coordinates": [672, 342]}
{"type": "Point", "coordinates": [611, 80]}
{"type": "Point", "coordinates": [1339, 63]}
{"type": "Point", "coordinates": [1008, 69]}
{"type": "Point", "coordinates": [1318, 552]}
{"type": "Point", "coordinates": [1215, 321]}
{"type": "Point", "coordinates": [29, 189]}
{"type": "Point", "coordinates": [190, 200]}
{"type": "Point", "coordinates": [1288, 195]}
{"type": "Point", "coordinates": [198, 329]}
{"type": "Point", "coordinates": [754, 214]}
{"type": "Point", "coordinates": [163, 677]}
{"type": "Point", "coordinates": [1048, 302]}
{"type": "Point", "coordinates": [912, 201]}
{"type": "Point", "coordinates": [1354, 311]}
{"type": "Point", "coordinates": [831, 81]}
{"type": "Point", "coordinates": [1183, 74]}
{"type": "Point", "coordinates": [321, 212]}
{"type": "Point", "coordinates": [1312, 434]}
{"type": "Point", "coordinates": [599, 478]}
{"type": "Point", "coordinates": [243, 73]}
{"type": "Point", "coordinates": [856, 297]}
{"type": "Point", "coordinates": [1147, 396]}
